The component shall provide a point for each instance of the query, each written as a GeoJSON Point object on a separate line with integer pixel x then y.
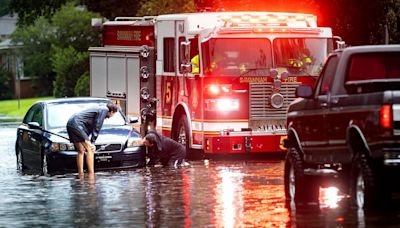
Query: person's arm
{"type": "Point", "coordinates": [101, 115]}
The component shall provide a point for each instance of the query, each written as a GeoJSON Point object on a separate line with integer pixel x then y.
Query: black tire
{"type": "Point", "coordinates": [20, 160]}
{"type": "Point", "coordinates": [182, 136]}
{"type": "Point", "coordinates": [298, 187]}
{"type": "Point", "coordinates": [363, 187]}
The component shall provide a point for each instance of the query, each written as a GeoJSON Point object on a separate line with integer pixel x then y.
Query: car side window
{"type": "Point", "coordinates": [35, 114]}
{"type": "Point", "coordinates": [327, 75]}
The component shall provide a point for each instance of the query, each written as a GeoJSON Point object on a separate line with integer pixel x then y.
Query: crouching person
{"type": "Point", "coordinates": [163, 149]}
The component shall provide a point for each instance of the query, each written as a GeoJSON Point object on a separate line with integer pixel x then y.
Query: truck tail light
{"type": "Point", "coordinates": [386, 116]}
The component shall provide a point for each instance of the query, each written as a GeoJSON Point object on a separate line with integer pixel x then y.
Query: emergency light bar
{"type": "Point", "coordinates": [270, 19]}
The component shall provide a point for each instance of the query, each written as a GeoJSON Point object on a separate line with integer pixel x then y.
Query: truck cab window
{"type": "Point", "coordinates": [327, 75]}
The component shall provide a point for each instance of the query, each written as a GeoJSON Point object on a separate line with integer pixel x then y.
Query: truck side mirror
{"type": "Point", "coordinates": [304, 91]}
{"type": "Point", "coordinates": [184, 52]}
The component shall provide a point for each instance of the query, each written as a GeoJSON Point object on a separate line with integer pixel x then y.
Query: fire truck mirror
{"type": "Point", "coordinates": [186, 68]}
{"type": "Point", "coordinates": [184, 52]}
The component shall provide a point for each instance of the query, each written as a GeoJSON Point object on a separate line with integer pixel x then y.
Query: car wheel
{"type": "Point", "coordinates": [45, 165]}
{"type": "Point", "coordinates": [298, 187]}
{"type": "Point", "coordinates": [364, 189]}
{"type": "Point", "coordinates": [20, 160]}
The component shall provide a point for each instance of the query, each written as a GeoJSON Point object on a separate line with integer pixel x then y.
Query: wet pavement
{"type": "Point", "coordinates": [209, 193]}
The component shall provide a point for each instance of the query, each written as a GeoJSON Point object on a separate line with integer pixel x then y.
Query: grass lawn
{"type": "Point", "coordinates": [10, 107]}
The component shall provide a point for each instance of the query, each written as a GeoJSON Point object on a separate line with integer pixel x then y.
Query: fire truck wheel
{"type": "Point", "coordinates": [182, 131]}
{"type": "Point", "coordinates": [182, 136]}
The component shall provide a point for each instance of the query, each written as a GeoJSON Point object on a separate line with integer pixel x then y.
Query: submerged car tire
{"type": "Point", "coordinates": [20, 161]}
{"type": "Point", "coordinates": [364, 187]}
{"type": "Point", "coordinates": [298, 187]}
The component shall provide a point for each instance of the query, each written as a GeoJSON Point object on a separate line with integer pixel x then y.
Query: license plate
{"type": "Point", "coordinates": [103, 158]}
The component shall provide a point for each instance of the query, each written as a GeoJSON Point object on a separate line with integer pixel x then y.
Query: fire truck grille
{"type": "Point", "coordinates": [260, 103]}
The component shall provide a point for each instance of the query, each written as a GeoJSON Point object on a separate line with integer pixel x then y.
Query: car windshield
{"type": "Point", "coordinates": [301, 56]}
{"type": "Point", "coordinates": [235, 57]}
{"type": "Point", "coordinates": [58, 114]}
{"type": "Point", "coordinates": [374, 66]}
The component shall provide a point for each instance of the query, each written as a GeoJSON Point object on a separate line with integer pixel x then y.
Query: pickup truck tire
{"type": "Point", "coordinates": [363, 187]}
{"type": "Point", "coordinates": [298, 187]}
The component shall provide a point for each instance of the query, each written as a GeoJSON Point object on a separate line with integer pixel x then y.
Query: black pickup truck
{"type": "Point", "coordinates": [346, 129]}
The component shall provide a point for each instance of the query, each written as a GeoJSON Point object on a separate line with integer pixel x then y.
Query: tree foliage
{"type": "Point", "coordinates": [82, 85]}
{"type": "Point", "coordinates": [6, 84]}
{"type": "Point", "coordinates": [113, 8]}
{"type": "Point", "coordinates": [45, 41]}
{"type": "Point", "coordinates": [28, 11]}
{"type": "Point", "coordinates": [69, 65]}
{"type": "Point", "coordinates": [157, 7]}
{"type": "Point", "coordinates": [4, 7]}
{"type": "Point", "coordinates": [37, 40]}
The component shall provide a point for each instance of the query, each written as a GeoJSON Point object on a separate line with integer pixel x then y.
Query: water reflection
{"type": "Point", "coordinates": [206, 194]}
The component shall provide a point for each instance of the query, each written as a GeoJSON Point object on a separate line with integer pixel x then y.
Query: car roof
{"type": "Point", "coordinates": [372, 48]}
{"type": "Point", "coordinates": [74, 100]}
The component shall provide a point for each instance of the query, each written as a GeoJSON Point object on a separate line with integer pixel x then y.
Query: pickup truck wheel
{"type": "Point", "coordinates": [363, 188]}
{"type": "Point", "coordinates": [298, 187]}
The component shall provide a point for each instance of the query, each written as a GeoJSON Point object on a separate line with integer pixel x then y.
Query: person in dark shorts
{"type": "Point", "coordinates": [163, 149]}
{"type": "Point", "coordinates": [83, 124]}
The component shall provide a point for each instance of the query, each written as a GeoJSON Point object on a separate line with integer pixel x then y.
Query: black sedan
{"type": "Point", "coordinates": [42, 141]}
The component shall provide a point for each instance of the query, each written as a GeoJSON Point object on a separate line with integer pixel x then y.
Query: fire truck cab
{"type": "Point", "coordinates": [218, 82]}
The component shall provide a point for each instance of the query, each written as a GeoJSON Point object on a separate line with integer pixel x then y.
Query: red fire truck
{"type": "Point", "coordinates": [222, 80]}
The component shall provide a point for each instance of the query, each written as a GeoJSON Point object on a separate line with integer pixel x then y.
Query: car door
{"type": "Point", "coordinates": [31, 145]}
{"type": "Point", "coordinates": [317, 139]}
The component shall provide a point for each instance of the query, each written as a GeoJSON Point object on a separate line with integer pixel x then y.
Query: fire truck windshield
{"type": "Point", "coordinates": [253, 56]}
{"type": "Point", "coordinates": [236, 56]}
{"type": "Point", "coordinates": [301, 56]}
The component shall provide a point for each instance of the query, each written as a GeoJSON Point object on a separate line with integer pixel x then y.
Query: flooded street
{"type": "Point", "coordinates": [206, 194]}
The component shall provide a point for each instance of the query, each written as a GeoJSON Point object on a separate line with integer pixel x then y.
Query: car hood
{"type": "Point", "coordinates": [108, 134]}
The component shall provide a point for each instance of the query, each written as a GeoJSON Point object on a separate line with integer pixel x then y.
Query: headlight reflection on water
{"type": "Point", "coordinates": [329, 197]}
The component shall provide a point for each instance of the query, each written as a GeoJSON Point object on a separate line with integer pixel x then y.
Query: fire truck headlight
{"type": "Point", "coordinates": [227, 104]}
{"type": "Point", "coordinates": [277, 100]}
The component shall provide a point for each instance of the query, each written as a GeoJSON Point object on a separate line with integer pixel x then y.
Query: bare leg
{"type": "Point", "coordinates": [89, 157]}
{"type": "Point", "coordinates": [79, 158]}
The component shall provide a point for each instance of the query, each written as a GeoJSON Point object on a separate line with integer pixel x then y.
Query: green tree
{"type": "Point", "coordinates": [113, 8]}
{"type": "Point", "coordinates": [28, 10]}
{"type": "Point", "coordinates": [4, 7]}
{"type": "Point", "coordinates": [69, 65]}
{"type": "Point", "coordinates": [6, 84]}
{"type": "Point", "coordinates": [44, 42]}
{"type": "Point", "coordinates": [37, 40]}
{"type": "Point", "coordinates": [157, 7]}
{"type": "Point", "coordinates": [82, 86]}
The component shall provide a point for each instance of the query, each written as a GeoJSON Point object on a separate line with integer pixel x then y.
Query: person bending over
{"type": "Point", "coordinates": [85, 123]}
{"type": "Point", "coordinates": [163, 149]}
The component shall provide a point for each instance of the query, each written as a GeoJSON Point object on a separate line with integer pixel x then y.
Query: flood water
{"type": "Point", "coordinates": [209, 193]}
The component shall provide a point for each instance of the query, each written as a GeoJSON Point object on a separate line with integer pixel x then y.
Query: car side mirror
{"type": "Point", "coordinates": [304, 91]}
{"type": "Point", "coordinates": [34, 125]}
{"type": "Point", "coordinates": [133, 119]}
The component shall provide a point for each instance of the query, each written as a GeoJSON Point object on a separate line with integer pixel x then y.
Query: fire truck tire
{"type": "Point", "coordinates": [182, 136]}
{"type": "Point", "coordinates": [298, 187]}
